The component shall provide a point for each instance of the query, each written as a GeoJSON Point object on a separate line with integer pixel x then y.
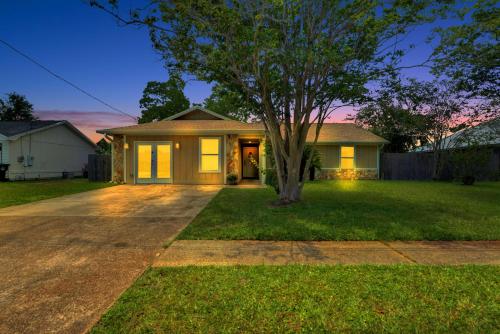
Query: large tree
{"type": "Point", "coordinates": [162, 99]}
{"type": "Point", "coordinates": [16, 108]}
{"type": "Point", "coordinates": [296, 60]}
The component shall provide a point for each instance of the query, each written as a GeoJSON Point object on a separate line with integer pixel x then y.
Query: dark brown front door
{"type": "Point", "coordinates": [250, 162]}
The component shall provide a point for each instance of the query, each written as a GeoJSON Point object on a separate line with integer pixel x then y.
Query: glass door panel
{"type": "Point", "coordinates": [144, 166]}
{"type": "Point", "coordinates": [163, 162]}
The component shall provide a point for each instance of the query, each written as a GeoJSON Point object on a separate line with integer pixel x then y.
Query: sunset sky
{"type": "Point", "coordinates": [87, 47]}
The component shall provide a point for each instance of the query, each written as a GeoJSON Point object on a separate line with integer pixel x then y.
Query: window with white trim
{"type": "Point", "coordinates": [347, 157]}
{"type": "Point", "coordinates": [210, 155]}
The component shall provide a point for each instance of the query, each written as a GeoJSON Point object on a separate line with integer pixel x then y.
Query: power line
{"type": "Point", "coordinates": [66, 81]}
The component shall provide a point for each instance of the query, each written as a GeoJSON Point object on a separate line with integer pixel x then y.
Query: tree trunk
{"type": "Point", "coordinates": [291, 190]}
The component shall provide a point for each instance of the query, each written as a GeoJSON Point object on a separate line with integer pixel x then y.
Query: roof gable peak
{"type": "Point", "coordinates": [184, 113]}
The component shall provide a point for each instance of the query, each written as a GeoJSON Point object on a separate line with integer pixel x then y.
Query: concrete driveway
{"type": "Point", "coordinates": [64, 261]}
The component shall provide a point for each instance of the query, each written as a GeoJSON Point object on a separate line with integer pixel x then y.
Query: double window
{"type": "Point", "coordinates": [347, 157]}
{"type": "Point", "coordinates": [210, 155]}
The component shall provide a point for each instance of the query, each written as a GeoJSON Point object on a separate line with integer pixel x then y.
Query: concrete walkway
{"type": "Point", "coordinates": [65, 260]}
{"type": "Point", "coordinates": [246, 252]}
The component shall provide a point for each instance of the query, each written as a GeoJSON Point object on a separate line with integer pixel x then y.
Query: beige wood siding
{"type": "Point", "coordinates": [185, 159]}
{"type": "Point", "coordinates": [329, 156]}
{"type": "Point", "coordinates": [366, 156]}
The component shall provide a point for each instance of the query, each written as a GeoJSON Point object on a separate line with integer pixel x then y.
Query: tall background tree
{"type": "Point", "coordinates": [231, 103]}
{"type": "Point", "coordinates": [393, 112]}
{"type": "Point", "coordinates": [16, 108]}
{"type": "Point", "coordinates": [163, 99]}
{"type": "Point", "coordinates": [296, 60]}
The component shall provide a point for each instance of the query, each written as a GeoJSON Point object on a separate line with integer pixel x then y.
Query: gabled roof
{"type": "Point", "coordinates": [187, 111]}
{"type": "Point", "coordinates": [12, 130]}
{"type": "Point", "coordinates": [343, 133]}
{"type": "Point", "coordinates": [178, 124]}
{"type": "Point", "coordinates": [330, 132]}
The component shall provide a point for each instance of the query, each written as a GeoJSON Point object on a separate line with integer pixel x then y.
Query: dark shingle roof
{"type": "Point", "coordinates": [13, 128]}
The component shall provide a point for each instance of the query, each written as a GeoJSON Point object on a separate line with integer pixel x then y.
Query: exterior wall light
{"type": "Point", "coordinates": [125, 146]}
{"type": "Point", "coordinates": [177, 145]}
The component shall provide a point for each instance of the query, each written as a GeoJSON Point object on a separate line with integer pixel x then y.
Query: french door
{"type": "Point", "coordinates": [153, 162]}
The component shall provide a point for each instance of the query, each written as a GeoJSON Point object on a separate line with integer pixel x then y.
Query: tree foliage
{"type": "Point", "coordinates": [163, 99]}
{"type": "Point", "coordinates": [103, 147]}
{"type": "Point", "coordinates": [16, 108]}
{"type": "Point", "coordinates": [468, 52]}
{"type": "Point", "coordinates": [228, 102]}
{"type": "Point", "coordinates": [393, 112]}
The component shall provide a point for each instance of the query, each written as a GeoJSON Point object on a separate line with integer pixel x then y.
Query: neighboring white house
{"type": "Point", "coordinates": [484, 134]}
{"type": "Point", "coordinates": [43, 149]}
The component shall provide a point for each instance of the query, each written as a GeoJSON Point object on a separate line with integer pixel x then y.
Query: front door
{"type": "Point", "coordinates": [250, 162]}
{"type": "Point", "coordinates": [153, 162]}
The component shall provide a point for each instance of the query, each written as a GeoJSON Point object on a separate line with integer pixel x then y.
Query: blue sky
{"type": "Point", "coordinates": [87, 47]}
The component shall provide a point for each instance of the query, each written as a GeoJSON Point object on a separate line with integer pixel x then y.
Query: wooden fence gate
{"type": "Point", "coordinates": [99, 166]}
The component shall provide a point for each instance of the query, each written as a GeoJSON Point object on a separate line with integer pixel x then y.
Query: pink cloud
{"type": "Point", "coordinates": [87, 121]}
{"type": "Point", "coordinates": [340, 115]}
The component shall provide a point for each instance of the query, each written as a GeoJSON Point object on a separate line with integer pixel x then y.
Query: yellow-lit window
{"type": "Point", "coordinates": [210, 155]}
{"type": "Point", "coordinates": [347, 157]}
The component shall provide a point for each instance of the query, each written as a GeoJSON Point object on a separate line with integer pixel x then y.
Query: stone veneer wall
{"type": "Point", "coordinates": [118, 159]}
{"type": "Point", "coordinates": [233, 155]}
{"type": "Point", "coordinates": [347, 174]}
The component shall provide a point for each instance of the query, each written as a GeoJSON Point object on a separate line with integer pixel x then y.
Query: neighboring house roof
{"type": "Point", "coordinates": [330, 132]}
{"type": "Point", "coordinates": [12, 130]}
{"type": "Point", "coordinates": [487, 133]}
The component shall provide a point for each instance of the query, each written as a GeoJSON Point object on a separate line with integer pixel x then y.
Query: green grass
{"type": "Point", "coordinates": [368, 299]}
{"type": "Point", "coordinates": [355, 210]}
{"type": "Point", "coordinates": [20, 192]}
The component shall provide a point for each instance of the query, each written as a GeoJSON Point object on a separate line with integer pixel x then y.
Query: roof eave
{"type": "Point", "coordinates": [178, 132]}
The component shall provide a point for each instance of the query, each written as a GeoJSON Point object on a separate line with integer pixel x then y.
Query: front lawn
{"type": "Point", "coordinates": [355, 210]}
{"type": "Point", "coordinates": [314, 299]}
{"type": "Point", "coordinates": [20, 192]}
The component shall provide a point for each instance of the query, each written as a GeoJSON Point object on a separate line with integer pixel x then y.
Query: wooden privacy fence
{"type": "Point", "coordinates": [99, 167]}
{"type": "Point", "coordinates": [419, 165]}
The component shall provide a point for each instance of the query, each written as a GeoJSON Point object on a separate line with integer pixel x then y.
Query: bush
{"type": "Point", "coordinates": [470, 163]}
{"type": "Point", "coordinates": [232, 178]}
{"type": "Point", "coordinates": [272, 179]}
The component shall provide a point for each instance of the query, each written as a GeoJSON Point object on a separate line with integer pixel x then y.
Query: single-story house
{"type": "Point", "coordinates": [43, 149]}
{"type": "Point", "coordinates": [198, 146]}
